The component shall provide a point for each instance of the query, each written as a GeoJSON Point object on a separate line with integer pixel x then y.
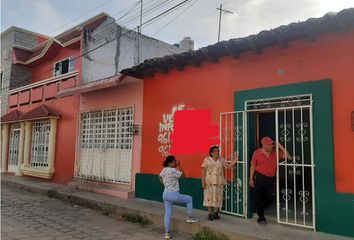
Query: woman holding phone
{"type": "Point", "coordinates": [169, 177]}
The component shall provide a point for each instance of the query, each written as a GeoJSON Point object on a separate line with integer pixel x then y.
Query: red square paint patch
{"type": "Point", "coordinates": [193, 132]}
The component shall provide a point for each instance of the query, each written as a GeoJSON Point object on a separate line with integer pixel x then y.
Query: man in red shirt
{"type": "Point", "coordinates": [262, 174]}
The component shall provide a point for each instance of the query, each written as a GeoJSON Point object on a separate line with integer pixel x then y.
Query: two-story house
{"type": "Point", "coordinates": [73, 115]}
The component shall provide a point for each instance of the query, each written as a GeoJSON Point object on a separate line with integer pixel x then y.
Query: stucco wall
{"type": "Point", "coordinates": [14, 76]}
{"type": "Point", "coordinates": [212, 86]}
{"type": "Point", "coordinates": [121, 51]}
{"type": "Point", "coordinates": [128, 93]}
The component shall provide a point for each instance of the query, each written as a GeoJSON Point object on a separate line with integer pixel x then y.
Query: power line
{"type": "Point", "coordinates": [112, 23]}
{"type": "Point", "coordinates": [147, 12]}
{"type": "Point", "coordinates": [111, 40]}
{"type": "Point", "coordinates": [164, 16]}
{"type": "Point", "coordinates": [65, 24]}
{"type": "Point", "coordinates": [155, 7]}
{"type": "Point", "coordinates": [161, 14]}
{"type": "Point", "coordinates": [121, 11]}
{"type": "Point", "coordinates": [175, 18]}
{"type": "Point", "coordinates": [156, 18]}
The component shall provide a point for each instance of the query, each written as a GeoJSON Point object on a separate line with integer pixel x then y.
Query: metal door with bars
{"type": "Point", "coordinates": [292, 126]}
{"type": "Point", "coordinates": [105, 147]}
{"type": "Point", "coordinates": [233, 142]}
{"type": "Point", "coordinates": [295, 177]}
{"type": "Point", "coordinates": [13, 148]}
{"type": "Point", "coordinates": [295, 188]}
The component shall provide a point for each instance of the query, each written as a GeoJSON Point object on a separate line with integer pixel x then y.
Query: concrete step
{"type": "Point", "coordinates": [115, 190]}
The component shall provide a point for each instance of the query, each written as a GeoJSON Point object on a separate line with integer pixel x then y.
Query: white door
{"type": "Point", "coordinates": [13, 148]}
{"type": "Point", "coordinates": [295, 188]}
{"type": "Point", "coordinates": [232, 142]}
{"type": "Point", "coordinates": [295, 177]}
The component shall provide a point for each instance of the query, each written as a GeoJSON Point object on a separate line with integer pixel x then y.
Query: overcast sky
{"type": "Point", "coordinates": [197, 19]}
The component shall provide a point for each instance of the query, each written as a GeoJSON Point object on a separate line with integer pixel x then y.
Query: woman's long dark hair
{"type": "Point", "coordinates": [169, 159]}
{"type": "Point", "coordinates": [212, 148]}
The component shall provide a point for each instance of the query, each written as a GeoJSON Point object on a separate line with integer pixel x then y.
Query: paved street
{"type": "Point", "coordinates": [27, 216]}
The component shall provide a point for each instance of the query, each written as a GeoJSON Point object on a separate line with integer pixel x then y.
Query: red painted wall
{"type": "Point", "coordinates": [68, 107]}
{"type": "Point", "coordinates": [66, 135]}
{"type": "Point", "coordinates": [212, 87]}
{"type": "Point", "coordinates": [46, 69]}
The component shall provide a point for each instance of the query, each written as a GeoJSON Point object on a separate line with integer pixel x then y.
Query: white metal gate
{"type": "Point", "coordinates": [14, 147]}
{"type": "Point", "coordinates": [295, 177]}
{"type": "Point", "coordinates": [295, 187]}
{"type": "Point", "coordinates": [105, 147]}
{"type": "Point", "coordinates": [232, 142]}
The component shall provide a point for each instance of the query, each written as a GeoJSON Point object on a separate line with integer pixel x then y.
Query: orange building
{"type": "Point", "coordinates": [293, 83]}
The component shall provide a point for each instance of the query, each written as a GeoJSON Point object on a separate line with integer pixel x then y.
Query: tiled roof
{"type": "Point", "coordinates": [13, 116]}
{"type": "Point", "coordinates": [331, 22]}
{"type": "Point", "coordinates": [40, 112]}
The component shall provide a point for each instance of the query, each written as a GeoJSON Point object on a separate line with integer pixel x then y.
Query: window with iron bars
{"type": "Point", "coordinates": [107, 129]}
{"type": "Point", "coordinates": [40, 144]}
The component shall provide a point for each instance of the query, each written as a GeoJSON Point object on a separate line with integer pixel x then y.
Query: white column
{"type": "Point", "coordinates": [21, 149]}
{"type": "Point", "coordinates": [27, 144]}
{"type": "Point", "coordinates": [5, 147]}
{"type": "Point", "coordinates": [51, 147]}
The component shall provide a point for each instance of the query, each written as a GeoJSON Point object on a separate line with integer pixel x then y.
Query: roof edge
{"type": "Point", "coordinates": [88, 21]}
{"type": "Point", "coordinates": [14, 28]}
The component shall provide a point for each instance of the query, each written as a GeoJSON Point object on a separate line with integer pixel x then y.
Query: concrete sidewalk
{"type": "Point", "coordinates": [233, 227]}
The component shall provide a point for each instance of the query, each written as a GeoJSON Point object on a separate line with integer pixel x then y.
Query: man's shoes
{"type": "Point", "coordinates": [168, 235]}
{"type": "Point", "coordinates": [216, 216]}
{"type": "Point", "coordinates": [210, 217]}
{"type": "Point", "coordinates": [191, 220]}
{"type": "Point", "coordinates": [262, 222]}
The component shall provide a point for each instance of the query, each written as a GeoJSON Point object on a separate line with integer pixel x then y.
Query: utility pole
{"type": "Point", "coordinates": [221, 11]}
{"type": "Point", "coordinates": [140, 29]}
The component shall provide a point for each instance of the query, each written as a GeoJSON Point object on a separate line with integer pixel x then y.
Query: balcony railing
{"type": "Point", "coordinates": [42, 90]}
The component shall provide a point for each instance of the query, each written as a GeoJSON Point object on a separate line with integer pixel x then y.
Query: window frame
{"type": "Point", "coordinates": [71, 66]}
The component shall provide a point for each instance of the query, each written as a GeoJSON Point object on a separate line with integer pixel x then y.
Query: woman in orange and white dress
{"type": "Point", "coordinates": [213, 181]}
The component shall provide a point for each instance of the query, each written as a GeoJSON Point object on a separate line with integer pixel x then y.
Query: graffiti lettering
{"type": "Point", "coordinates": [165, 130]}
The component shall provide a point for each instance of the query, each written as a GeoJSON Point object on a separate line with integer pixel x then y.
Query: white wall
{"type": "Point", "coordinates": [106, 60]}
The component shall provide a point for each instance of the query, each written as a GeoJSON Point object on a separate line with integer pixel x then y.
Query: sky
{"type": "Point", "coordinates": [197, 19]}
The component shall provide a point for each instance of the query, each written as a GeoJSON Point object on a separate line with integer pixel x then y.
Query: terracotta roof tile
{"type": "Point", "coordinates": [12, 116]}
{"type": "Point", "coordinates": [39, 112]}
{"type": "Point", "coordinates": [331, 22]}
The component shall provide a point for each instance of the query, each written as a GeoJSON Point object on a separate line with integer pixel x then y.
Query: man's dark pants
{"type": "Point", "coordinates": [264, 193]}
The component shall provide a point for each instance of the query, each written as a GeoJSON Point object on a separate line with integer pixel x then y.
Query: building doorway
{"type": "Point", "coordinates": [14, 148]}
{"type": "Point", "coordinates": [287, 120]}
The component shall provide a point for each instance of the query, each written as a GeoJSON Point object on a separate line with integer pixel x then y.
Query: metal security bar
{"type": "Point", "coordinates": [233, 142]}
{"type": "Point", "coordinates": [105, 148]}
{"type": "Point", "coordinates": [14, 147]}
{"type": "Point", "coordinates": [40, 142]}
{"type": "Point", "coordinates": [272, 103]}
{"type": "Point", "coordinates": [295, 177]}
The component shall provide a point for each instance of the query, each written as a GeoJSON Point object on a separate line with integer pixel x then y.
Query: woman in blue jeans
{"type": "Point", "coordinates": [169, 177]}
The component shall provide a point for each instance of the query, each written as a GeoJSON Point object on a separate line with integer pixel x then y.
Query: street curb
{"type": "Point", "coordinates": [110, 208]}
